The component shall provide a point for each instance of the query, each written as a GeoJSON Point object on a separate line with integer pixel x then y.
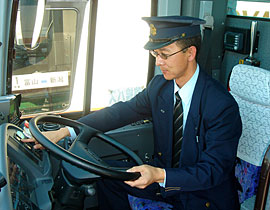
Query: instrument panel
{"type": "Point", "coordinates": [28, 172]}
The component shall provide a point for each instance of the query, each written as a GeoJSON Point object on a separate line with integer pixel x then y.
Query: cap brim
{"type": "Point", "coordinates": [156, 45]}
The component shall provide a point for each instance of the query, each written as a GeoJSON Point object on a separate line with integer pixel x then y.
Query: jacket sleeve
{"type": "Point", "coordinates": [122, 113]}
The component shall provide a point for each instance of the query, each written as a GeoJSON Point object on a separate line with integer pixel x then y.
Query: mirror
{"type": "Point", "coordinates": [29, 22]}
{"type": "Point", "coordinates": [248, 8]}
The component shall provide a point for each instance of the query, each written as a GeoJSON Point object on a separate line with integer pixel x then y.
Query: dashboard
{"type": "Point", "coordinates": [27, 172]}
{"type": "Point", "coordinates": [35, 179]}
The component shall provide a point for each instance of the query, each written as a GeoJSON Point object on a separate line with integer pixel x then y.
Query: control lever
{"type": "Point", "coordinates": [250, 60]}
{"type": "Point", "coordinates": [253, 33]}
{"type": "Point", "coordinates": [3, 181]}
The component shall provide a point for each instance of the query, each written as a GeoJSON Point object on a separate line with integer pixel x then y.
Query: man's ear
{"type": "Point", "coordinates": [192, 53]}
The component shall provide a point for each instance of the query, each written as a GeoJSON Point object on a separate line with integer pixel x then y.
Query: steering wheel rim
{"type": "Point", "coordinates": [83, 138]}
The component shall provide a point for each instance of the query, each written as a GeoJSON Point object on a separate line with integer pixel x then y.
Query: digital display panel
{"type": "Point", "coordinates": [230, 39]}
{"type": "Point", "coordinates": [14, 114]}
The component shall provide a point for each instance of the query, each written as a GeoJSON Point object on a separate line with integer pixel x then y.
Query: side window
{"type": "Point", "coordinates": [120, 61]}
{"type": "Point", "coordinates": [249, 8]}
{"type": "Point", "coordinates": [51, 75]}
{"type": "Point", "coordinates": [43, 73]}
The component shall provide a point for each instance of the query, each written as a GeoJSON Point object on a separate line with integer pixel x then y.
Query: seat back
{"type": "Point", "coordinates": [250, 86]}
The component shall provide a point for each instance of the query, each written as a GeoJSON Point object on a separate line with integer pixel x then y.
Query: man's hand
{"type": "Point", "coordinates": [54, 136]}
{"type": "Point", "coordinates": [149, 175]}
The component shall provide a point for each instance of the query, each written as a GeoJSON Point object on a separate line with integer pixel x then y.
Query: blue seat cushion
{"type": "Point", "coordinates": [146, 204]}
{"type": "Point", "coordinates": [248, 176]}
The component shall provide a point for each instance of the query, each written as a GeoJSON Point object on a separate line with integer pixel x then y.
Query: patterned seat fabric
{"type": "Point", "coordinates": [248, 176]}
{"type": "Point", "coordinates": [250, 86]}
{"type": "Point", "coordinates": [146, 204]}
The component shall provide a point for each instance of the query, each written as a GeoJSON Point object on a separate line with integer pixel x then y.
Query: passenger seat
{"type": "Point", "coordinates": [250, 86]}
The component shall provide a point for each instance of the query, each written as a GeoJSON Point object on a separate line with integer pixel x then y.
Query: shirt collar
{"type": "Point", "coordinates": [187, 90]}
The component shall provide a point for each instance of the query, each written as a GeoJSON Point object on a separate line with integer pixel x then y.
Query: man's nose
{"type": "Point", "coordinates": [159, 61]}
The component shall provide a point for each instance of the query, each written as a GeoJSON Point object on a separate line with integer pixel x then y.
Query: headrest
{"type": "Point", "coordinates": [251, 83]}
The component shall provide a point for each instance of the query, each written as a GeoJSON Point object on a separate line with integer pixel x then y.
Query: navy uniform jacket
{"type": "Point", "coordinates": [213, 127]}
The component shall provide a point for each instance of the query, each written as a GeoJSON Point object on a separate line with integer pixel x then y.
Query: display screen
{"type": "Point", "coordinates": [230, 39]}
{"type": "Point", "coordinates": [14, 114]}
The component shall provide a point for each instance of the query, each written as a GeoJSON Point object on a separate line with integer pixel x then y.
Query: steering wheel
{"type": "Point", "coordinates": [93, 163]}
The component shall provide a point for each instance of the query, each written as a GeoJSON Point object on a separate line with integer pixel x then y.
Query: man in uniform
{"type": "Point", "coordinates": [196, 126]}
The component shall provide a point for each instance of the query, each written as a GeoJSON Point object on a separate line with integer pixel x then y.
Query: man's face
{"type": "Point", "coordinates": [176, 66]}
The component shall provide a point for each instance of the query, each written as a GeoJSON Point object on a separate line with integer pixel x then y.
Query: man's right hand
{"type": "Point", "coordinates": [54, 136]}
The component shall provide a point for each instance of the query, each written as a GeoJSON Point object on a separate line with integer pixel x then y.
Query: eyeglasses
{"type": "Point", "coordinates": [165, 56]}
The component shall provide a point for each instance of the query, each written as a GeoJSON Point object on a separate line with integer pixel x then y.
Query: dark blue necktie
{"type": "Point", "coordinates": [177, 130]}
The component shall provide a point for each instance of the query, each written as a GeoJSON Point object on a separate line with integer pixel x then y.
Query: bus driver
{"type": "Point", "coordinates": [196, 125]}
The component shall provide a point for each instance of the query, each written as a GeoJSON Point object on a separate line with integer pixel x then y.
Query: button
{"type": "Point", "coordinates": [207, 204]}
{"type": "Point", "coordinates": [26, 124]}
{"type": "Point", "coordinates": [19, 135]}
{"type": "Point", "coordinates": [160, 154]}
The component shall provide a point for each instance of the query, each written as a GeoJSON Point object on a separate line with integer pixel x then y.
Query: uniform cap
{"type": "Point", "coordinates": [165, 30]}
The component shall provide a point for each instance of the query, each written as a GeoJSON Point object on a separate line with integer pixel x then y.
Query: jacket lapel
{"type": "Point", "coordinates": [191, 134]}
{"type": "Point", "coordinates": [165, 118]}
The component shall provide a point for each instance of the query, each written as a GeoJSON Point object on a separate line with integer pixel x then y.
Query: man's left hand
{"type": "Point", "coordinates": [149, 175]}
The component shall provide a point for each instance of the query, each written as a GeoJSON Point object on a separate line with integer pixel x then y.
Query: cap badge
{"type": "Point", "coordinates": [183, 34]}
{"type": "Point", "coordinates": [153, 30]}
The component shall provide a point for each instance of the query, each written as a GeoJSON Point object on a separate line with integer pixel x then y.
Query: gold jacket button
{"type": "Point", "coordinates": [207, 204]}
{"type": "Point", "coordinates": [160, 154]}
